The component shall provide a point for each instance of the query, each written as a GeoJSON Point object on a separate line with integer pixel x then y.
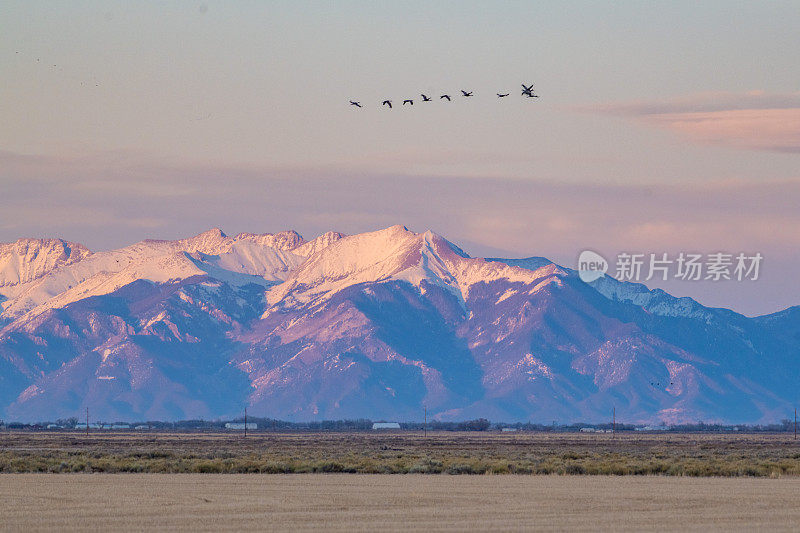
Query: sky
{"type": "Point", "coordinates": [661, 127]}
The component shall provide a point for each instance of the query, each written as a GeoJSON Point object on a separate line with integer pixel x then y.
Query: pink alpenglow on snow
{"type": "Point", "coordinates": [373, 325]}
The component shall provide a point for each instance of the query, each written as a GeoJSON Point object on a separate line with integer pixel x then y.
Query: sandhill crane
{"type": "Point", "coordinates": [528, 91]}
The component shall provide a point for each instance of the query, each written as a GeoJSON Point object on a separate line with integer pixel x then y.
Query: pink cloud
{"type": "Point", "coordinates": [758, 129]}
{"type": "Point", "coordinates": [754, 120]}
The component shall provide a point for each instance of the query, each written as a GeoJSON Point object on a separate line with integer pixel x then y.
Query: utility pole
{"type": "Point", "coordinates": [245, 421]}
{"type": "Point", "coordinates": [87, 421]}
{"type": "Point", "coordinates": [795, 423]}
{"type": "Point", "coordinates": [425, 426]}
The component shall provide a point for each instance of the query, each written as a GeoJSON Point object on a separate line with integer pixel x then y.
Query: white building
{"type": "Point", "coordinates": [91, 426]}
{"type": "Point", "coordinates": [240, 425]}
{"type": "Point", "coordinates": [385, 425]}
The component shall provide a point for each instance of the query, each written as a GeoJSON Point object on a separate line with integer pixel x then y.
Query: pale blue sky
{"type": "Point", "coordinates": [152, 104]}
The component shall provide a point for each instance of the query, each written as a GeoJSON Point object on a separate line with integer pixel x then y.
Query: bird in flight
{"type": "Point", "coordinates": [528, 91]}
{"type": "Point", "coordinates": [357, 104]}
{"type": "Point", "coordinates": [408, 102]}
{"type": "Point", "coordinates": [465, 93]}
{"type": "Point", "coordinates": [387, 102]}
{"type": "Point", "coordinates": [502, 95]}
{"type": "Point", "coordinates": [425, 98]}
{"type": "Point", "coordinates": [445, 96]}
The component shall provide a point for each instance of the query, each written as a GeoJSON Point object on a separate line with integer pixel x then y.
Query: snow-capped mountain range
{"type": "Point", "coordinates": [375, 325]}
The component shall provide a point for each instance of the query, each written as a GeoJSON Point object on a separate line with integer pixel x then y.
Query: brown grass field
{"type": "Point", "coordinates": [680, 481]}
{"type": "Point", "coordinates": [669, 454]}
{"type": "Point", "coordinates": [336, 502]}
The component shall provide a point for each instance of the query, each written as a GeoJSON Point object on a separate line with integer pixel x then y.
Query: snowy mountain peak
{"type": "Point", "coordinates": [28, 259]}
{"type": "Point", "coordinates": [237, 260]}
{"type": "Point", "coordinates": [326, 239]}
{"type": "Point", "coordinates": [370, 325]}
{"type": "Point", "coordinates": [358, 258]}
{"type": "Point", "coordinates": [391, 254]}
{"type": "Point", "coordinates": [208, 242]}
{"type": "Point", "coordinates": [284, 240]}
{"type": "Point", "coordinates": [213, 233]}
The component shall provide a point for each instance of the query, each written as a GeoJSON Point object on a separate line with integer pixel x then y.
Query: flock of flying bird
{"type": "Point", "coordinates": [526, 91]}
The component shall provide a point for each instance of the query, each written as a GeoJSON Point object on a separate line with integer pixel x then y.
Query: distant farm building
{"type": "Point", "coordinates": [241, 425]}
{"type": "Point", "coordinates": [385, 425]}
{"type": "Point", "coordinates": [507, 430]}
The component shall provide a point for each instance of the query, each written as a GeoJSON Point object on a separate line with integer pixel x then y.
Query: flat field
{"type": "Point", "coordinates": [337, 502]}
{"type": "Point", "coordinates": [759, 455]}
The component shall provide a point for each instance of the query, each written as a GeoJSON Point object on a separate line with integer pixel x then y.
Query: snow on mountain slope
{"type": "Point", "coordinates": [149, 350]}
{"type": "Point", "coordinates": [394, 253]}
{"type": "Point", "coordinates": [311, 247]}
{"type": "Point", "coordinates": [29, 259]}
{"type": "Point", "coordinates": [272, 257]}
{"type": "Point", "coordinates": [285, 240]}
{"type": "Point", "coordinates": [383, 254]}
{"type": "Point", "coordinates": [268, 256]}
{"type": "Point", "coordinates": [654, 301]}
{"type": "Point", "coordinates": [375, 325]}
{"type": "Point", "coordinates": [255, 259]}
{"type": "Point", "coordinates": [156, 261]}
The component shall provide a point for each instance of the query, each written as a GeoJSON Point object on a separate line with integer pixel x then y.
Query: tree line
{"type": "Point", "coordinates": [365, 424]}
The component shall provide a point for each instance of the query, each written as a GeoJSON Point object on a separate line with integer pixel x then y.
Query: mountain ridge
{"type": "Point", "coordinates": [378, 325]}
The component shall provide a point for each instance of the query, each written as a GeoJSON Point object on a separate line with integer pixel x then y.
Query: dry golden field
{"type": "Point", "coordinates": [761, 455]}
{"type": "Point", "coordinates": [336, 502]}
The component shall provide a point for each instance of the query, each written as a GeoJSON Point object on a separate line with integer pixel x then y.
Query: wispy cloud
{"type": "Point", "coordinates": [48, 195]}
{"type": "Point", "coordinates": [755, 120]}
